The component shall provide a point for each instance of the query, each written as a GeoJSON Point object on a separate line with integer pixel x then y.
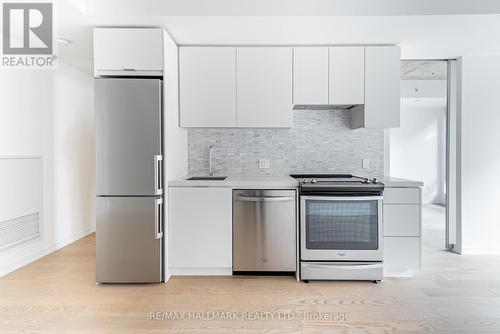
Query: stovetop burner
{"type": "Point", "coordinates": [338, 184]}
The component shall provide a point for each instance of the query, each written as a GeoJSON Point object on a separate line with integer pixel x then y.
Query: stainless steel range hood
{"type": "Point", "coordinates": [323, 106]}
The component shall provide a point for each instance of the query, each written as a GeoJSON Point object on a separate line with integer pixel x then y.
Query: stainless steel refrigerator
{"type": "Point", "coordinates": [129, 204]}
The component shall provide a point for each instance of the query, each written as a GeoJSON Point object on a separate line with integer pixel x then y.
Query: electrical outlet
{"type": "Point", "coordinates": [263, 163]}
{"type": "Point", "coordinates": [365, 163]}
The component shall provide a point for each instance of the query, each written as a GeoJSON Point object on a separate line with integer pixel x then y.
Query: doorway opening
{"type": "Point", "coordinates": [422, 147]}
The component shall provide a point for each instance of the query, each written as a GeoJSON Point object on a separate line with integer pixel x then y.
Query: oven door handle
{"type": "Point", "coordinates": [343, 198]}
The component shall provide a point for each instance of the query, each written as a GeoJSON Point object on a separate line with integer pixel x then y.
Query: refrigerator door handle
{"type": "Point", "coordinates": [158, 174]}
{"type": "Point", "coordinates": [158, 218]}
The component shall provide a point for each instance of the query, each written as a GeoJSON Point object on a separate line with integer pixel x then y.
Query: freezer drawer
{"type": "Point", "coordinates": [129, 239]}
{"type": "Point", "coordinates": [128, 136]}
{"type": "Point", "coordinates": [264, 230]}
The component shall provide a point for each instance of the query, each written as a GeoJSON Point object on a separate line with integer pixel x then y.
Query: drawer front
{"type": "Point", "coordinates": [402, 252]}
{"type": "Point", "coordinates": [402, 196]}
{"type": "Point", "coordinates": [341, 270]}
{"type": "Point", "coordinates": [401, 220]}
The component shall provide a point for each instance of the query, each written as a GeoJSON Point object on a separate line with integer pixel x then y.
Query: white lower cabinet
{"type": "Point", "coordinates": [402, 220]}
{"type": "Point", "coordinates": [401, 256]}
{"type": "Point", "coordinates": [402, 231]}
{"type": "Point", "coordinates": [200, 231]}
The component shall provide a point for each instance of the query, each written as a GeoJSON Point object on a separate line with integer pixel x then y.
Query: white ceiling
{"type": "Point", "coordinates": [437, 36]}
{"type": "Point", "coordinates": [289, 7]}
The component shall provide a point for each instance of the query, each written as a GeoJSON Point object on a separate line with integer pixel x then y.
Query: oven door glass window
{"type": "Point", "coordinates": [342, 224]}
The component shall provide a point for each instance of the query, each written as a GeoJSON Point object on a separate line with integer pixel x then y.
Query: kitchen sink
{"type": "Point", "coordinates": [207, 178]}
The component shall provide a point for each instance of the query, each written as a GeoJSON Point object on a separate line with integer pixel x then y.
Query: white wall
{"type": "Point", "coordinates": [49, 114]}
{"type": "Point", "coordinates": [417, 149]}
{"type": "Point", "coordinates": [73, 153]}
{"type": "Point", "coordinates": [25, 103]}
{"type": "Point", "coordinates": [479, 154]}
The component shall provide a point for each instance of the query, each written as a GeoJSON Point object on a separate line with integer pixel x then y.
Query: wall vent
{"type": "Point", "coordinates": [18, 230]}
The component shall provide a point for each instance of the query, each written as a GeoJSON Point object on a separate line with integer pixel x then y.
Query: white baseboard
{"type": "Point", "coordinates": [27, 259]}
{"type": "Point", "coordinates": [201, 271]}
{"type": "Point", "coordinates": [74, 238]}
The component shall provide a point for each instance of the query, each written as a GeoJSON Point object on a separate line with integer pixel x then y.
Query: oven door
{"type": "Point", "coordinates": [335, 228]}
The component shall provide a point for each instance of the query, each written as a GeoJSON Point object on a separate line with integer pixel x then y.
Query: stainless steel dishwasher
{"type": "Point", "coordinates": [264, 235]}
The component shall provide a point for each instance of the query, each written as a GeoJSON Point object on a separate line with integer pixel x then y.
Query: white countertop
{"type": "Point", "coordinates": [274, 182]}
{"type": "Point", "coordinates": [397, 182]}
{"type": "Point", "coordinates": [240, 182]}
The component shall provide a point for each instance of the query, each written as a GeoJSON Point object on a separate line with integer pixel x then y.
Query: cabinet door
{"type": "Point", "coordinates": [310, 75]}
{"type": "Point", "coordinates": [401, 253]}
{"type": "Point", "coordinates": [207, 86]}
{"type": "Point", "coordinates": [128, 50]}
{"type": "Point", "coordinates": [382, 86]}
{"type": "Point", "coordinates": [402, 195]}
{"type": "Point", "coordinates": [401, 220]}
{"type": "Point", "coordinates": [347, 75]}
{"type": "Point", "coordinates": [264, 87]}
{"type": "Point", "coordinates": [200, 230]}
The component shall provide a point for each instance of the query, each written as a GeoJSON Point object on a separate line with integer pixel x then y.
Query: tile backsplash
{"type": "Point", "coordinates": [319, 141]}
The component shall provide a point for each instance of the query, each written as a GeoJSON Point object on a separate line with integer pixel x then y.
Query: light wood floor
{"type": "Point", "coordinates": [452, 294]}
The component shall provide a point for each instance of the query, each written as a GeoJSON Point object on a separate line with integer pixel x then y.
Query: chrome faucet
{"type": "Point", "coordinates": [211, 171]}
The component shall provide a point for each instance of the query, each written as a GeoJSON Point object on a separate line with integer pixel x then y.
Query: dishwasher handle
{"type": "Point", "coordinates": [265, 199]}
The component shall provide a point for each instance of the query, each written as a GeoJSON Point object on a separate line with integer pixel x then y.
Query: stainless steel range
{"type": "Point", "coordinates": [340, 227]}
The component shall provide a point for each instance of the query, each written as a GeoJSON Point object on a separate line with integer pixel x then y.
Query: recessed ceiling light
{"type": "Point", "coordinates": [63, 41]}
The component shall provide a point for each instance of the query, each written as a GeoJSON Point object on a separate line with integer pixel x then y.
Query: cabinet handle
{"type": "Point", "coordinates": [265, 199]}
{"type": "Point", "coordinates": [158, 174]}
{"type": "Point", "coordinates": [158, 218]}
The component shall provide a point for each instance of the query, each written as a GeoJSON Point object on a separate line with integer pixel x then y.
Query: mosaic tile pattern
{"type": "Point", "coordinates": [320, 141]}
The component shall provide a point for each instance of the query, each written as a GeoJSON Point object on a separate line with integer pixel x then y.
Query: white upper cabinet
{"type": "Point", "coordinates": [128, 51]}
{"type": "Point", "coordinates": [310, 75]}
{"type": "Point", "coordinates": [253, 86]}
{"type": "Point", "coordinates": [347, 75]}
{"type": "Point", "coordinates": [264, 87]}
{"type": "Point", "coordinates": [382, 86]}
{"type": "Point", "coordinates": [334, 75]}
{"type": "Point", "coordinates": [382, 89]}
{"type": "Point", "coordinates": [207, 86]}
